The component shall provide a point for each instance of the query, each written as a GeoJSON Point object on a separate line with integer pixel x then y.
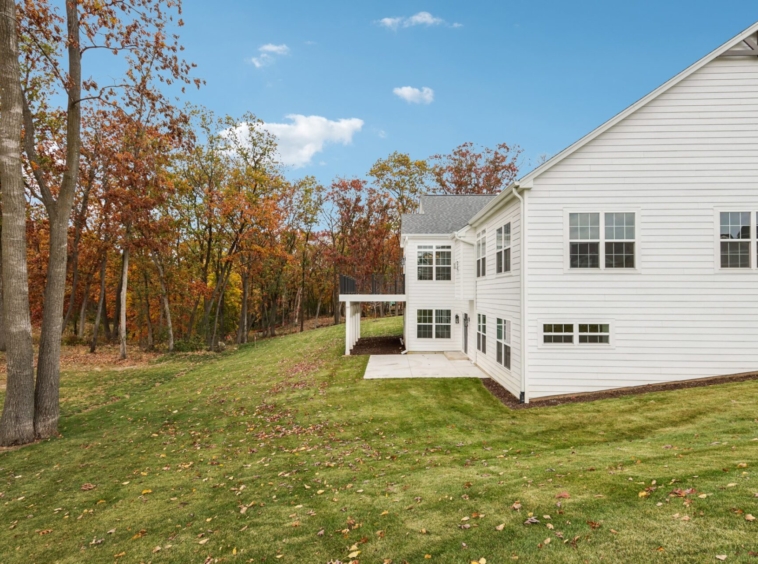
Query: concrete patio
{"type": "Point", "coordinates": [420, 366]}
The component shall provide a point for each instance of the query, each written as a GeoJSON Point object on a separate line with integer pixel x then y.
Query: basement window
{"type": "Point", "coordinates": [554, 333]}
{"type": "Point", "coordinates": [594, 333]}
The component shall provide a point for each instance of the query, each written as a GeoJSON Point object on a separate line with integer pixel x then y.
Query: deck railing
{"type": "Point", "coordinates": [375, 284]}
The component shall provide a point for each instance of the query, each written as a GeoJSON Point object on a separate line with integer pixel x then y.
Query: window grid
{"type": "Point", "coordinates": [555, 333]}
{"type": "Point", "coordinates": [503, 249]}
{"type": "Point", "coordinates": [442, 324]}
{"type": "Point", "coordinates": [594, 333]}
{"type": "Point", "coordinates": [503, 343]}
{"type": "Point", "coordinates": [481, 333]}
{"type": "Point", "coordinates": [602, 240]}
{"type": "Point", "coordinates": [576, 334]}
{"type": "Point", "coordinates": [734, 232]}
{"type": "Point", "coordinates": [434, 263]}
{"type": "Point", "coordinates": [481, 253]}
{"type": "Point", "coordinates": [433, 324]}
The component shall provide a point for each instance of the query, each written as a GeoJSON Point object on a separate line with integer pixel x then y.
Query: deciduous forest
{"type": "Point", "coordinates": [132, 217]}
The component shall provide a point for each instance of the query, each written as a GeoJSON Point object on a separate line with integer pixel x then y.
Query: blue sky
{"type": "Point", "coordinates": [539, 74]}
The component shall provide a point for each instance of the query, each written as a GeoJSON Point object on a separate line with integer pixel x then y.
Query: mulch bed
{"type": "Point", "coordinates": [378, 345]}
{"type": "Point", "coordinates": [511, 401]}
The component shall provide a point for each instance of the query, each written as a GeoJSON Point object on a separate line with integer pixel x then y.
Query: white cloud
{"type": "Point", "coordinates": [415, 96]}
{"type": "Point", "coordinates": [422, 18]}
{"type": "Point", "coordinates": [391, 23]}
{"type": "Point", "coordinates": [305, 136]}
{"type": "Point", "coordinates": [268, 54]}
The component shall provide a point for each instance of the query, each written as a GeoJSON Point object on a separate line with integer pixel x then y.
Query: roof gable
{"type": "Point", "coordinates": [745, 44]}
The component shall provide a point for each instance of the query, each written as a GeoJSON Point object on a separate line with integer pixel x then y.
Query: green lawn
{"type": "Point", "coordinates": [280, 452]}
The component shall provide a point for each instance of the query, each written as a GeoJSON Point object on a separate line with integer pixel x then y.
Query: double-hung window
{"type": "Point", "coordinates": [481, 333]}
{"type": "Point", "coordinates": [503, 346]}
{"type": "Point", "coordinates": [442, 325]}
{"type": "Point", "coordinates": [433, 324]}
{"type": "Point", "coordinates": [602, 241]}
{"type": "Point", "coordinates": [481, 253]}
{"type": "Point", "coordinates": [425, 323]}
{"type": "Point", "coordinates": [735, 243]}
{"type": "Point", "coordinates": [503, 249]}
{"type": "Point", "coordinates": [434, 262]}
{"type": "Point", "coordinates": [443, 262]}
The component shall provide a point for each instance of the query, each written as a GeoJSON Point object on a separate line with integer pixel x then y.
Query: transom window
{"type": "Point", "coordinates": [434, 262]}
{"type": "Point", "coordinates": [602, 240]}
{"type": "Point", "coordinates": [481, 253]}
{"type": "Point", "coordinates": [576, 333]}
{"type": "Point", "coordinates": [503, 339]}
{"type": "Point", "coordinates": [433, 324]}
{"type": "Point", "coordinates": [735, 239]}
{"type": "Point", "coordinates": [481, 333]}
{"type": "Point", "coordinates": [503, 249]}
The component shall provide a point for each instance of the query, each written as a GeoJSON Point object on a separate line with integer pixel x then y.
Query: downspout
{"type": "Point", "coordinates": [524, 396]}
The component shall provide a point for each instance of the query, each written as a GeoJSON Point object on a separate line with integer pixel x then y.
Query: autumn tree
{"type": "Point", "coordinates": [469, 169]}
{"type": "Point", "coordinates": [52, 55]}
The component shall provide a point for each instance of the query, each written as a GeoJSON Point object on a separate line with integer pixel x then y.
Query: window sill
{"type": "Point", "coordinates": [596, 271]}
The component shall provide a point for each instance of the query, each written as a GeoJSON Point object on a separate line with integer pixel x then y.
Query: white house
{"type": "Point", "coordinates": [630, 258]}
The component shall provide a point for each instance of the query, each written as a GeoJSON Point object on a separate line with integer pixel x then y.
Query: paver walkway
{"type": "Point", "coordinates": [420, 366]}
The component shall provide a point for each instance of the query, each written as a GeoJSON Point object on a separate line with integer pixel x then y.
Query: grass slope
{"type": "Point", "coordinates": [280, 452]}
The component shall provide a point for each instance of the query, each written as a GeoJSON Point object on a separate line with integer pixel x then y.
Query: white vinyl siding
{"type": "Point", "coordinates": [680, 160]}
{"type": "Point", "coordinates": [431, 295]}
{"type": "Point", "coordinates": [498, 296]}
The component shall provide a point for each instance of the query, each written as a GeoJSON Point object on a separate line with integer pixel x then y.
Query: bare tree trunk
{"type": "Point", "coordinates": [318, 310]}
{"type": "Point", "coordinates": [164, 299]}
{"type": "Point", "coordinates": [46, 394]}
{"type": "Point", "coordinates": [122, 306]}
{"type": "Point", "coordinates": [214, 343]}
{"type": "Point", "coordinates": [83, 310]}
{"type": "Point", "coordinates": [146, 297]}
{"type": "Point", "coordinates": [297, 310]}
{"type": "Point", "coordinates": [242, 330]}
{"type": "Point", "coordinates": [17, 421]}
{"type": "Point", "coordinates": [100, 306]}
{"type": "Point", "coordinates": [2, 315]}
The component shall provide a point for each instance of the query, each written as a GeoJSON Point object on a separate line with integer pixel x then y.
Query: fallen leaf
{"type": "Point", "coordinates": [45, 532]}
{"type": "Point", "coordinates": [87, 487]}
{"type": "Point", "coordinates": [354, 554]}
{"type": "Point", "coordinates": [562, 495]}
{"type": "Point", "coordinates": [531, 521]}
{"type": "Point", "coordinates": [145, 492]}
{"type": "Point", "coordinates": [500, 527]}
{"type": "Point", "coordinates": [516, 506]}
{"type": "Point", "coordinates": [749, 517]}
{"type": "Point", "coordinates": [721, 557]}
{"type": "Point", "coordinates": [203, 541]}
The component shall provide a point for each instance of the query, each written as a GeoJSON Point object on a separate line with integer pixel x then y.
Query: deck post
{"type": "Point", "coordinates": [348, 327]}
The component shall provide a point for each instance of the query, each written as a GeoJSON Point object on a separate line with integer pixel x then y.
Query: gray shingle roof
{"type": "Point", "coordinates": [443, 214]}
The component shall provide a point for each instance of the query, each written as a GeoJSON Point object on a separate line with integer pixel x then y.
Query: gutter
{"type": "Point", "coordinates": [524, 395]}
